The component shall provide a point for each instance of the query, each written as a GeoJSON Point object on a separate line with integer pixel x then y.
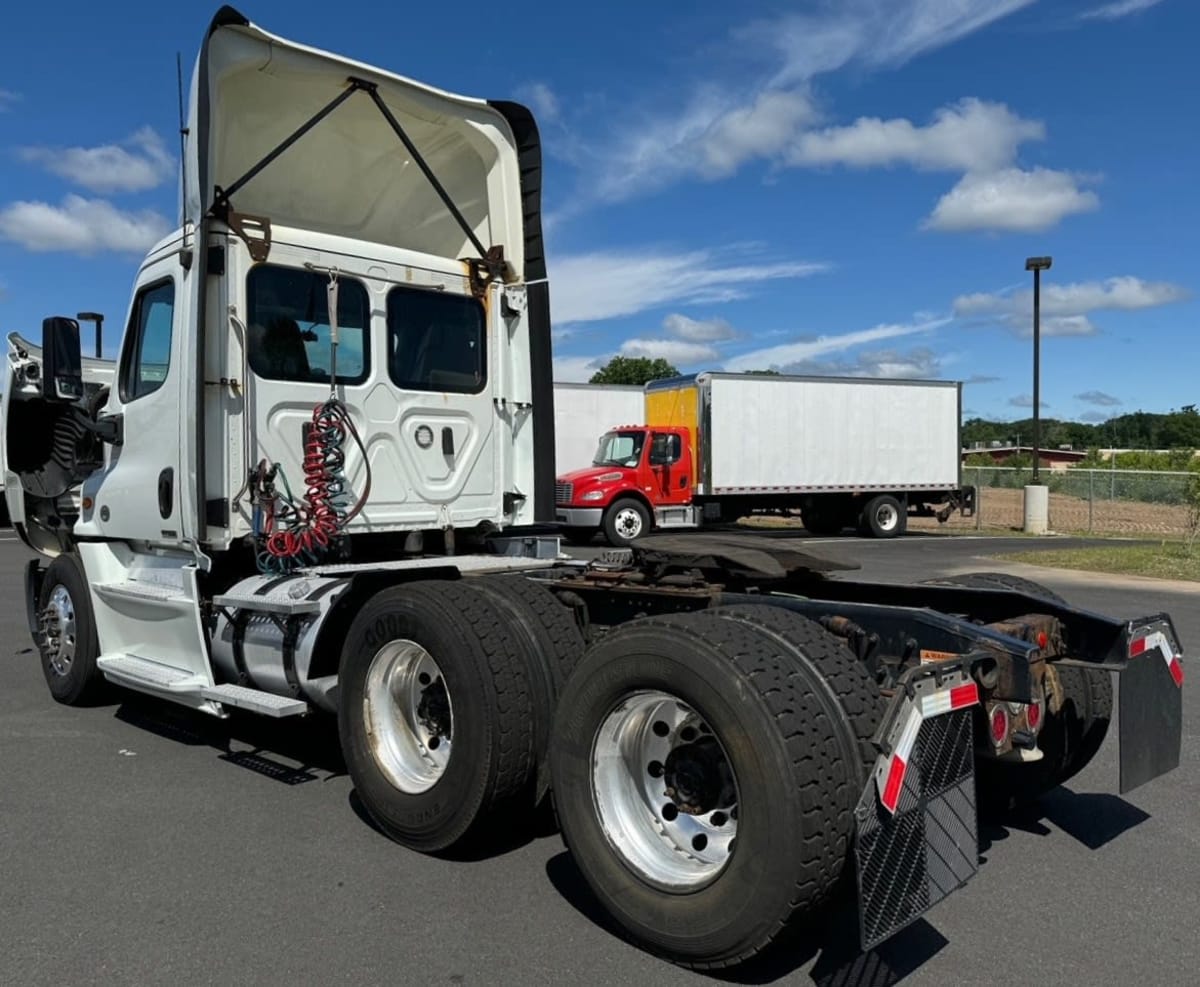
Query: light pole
{"type": "Point", "coordinates": [1037, 265]}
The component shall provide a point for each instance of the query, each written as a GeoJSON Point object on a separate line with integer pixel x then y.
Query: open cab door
{"type": "Point", "coordinates": [46, 448]}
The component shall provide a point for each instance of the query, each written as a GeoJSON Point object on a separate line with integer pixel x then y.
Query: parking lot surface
{"type": "Point", "coordinates": [144, 844]}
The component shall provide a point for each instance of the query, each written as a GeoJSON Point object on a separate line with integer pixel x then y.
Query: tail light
{"type": "Point", "coordinates": [998, 723]}
{"type": "Point", "coordinates": [1033, 715]}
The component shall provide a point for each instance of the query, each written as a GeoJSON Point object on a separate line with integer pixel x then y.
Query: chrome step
{"type": "Point", "coordinates": [277, 603]}
{"type": "Point", "coordinates": [134, 671]}
{"type": "Point", "coordinates": [141, 592]}
{"type": "Point", "coordinates": [255, 700]}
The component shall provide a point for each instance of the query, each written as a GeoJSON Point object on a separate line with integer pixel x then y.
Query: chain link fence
{"type": "Point", "coordinates": [1082, 501]}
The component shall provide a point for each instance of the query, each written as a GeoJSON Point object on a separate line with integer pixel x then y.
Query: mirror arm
{"type": "Point", "coordinates": [107, 428]}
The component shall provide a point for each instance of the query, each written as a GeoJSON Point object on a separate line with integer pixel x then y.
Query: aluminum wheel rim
{"type": "Point", "coordinates": [644, 760]}
{"type": "Point", "coordinates": [58, 629]}
{"type": "Point", "coordinates": [409, 717]}
{"type": "Point", "coordinates": [886, 516]}
{"type": "Point", "coordinates": [628, 523]}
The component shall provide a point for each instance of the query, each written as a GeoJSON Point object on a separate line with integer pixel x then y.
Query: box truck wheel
{"type": "Point", "coordinates": [883, 516]}
{"type": "Point", "coordinates": [435, 714]}
{"type": "Point", "coordinates": [551, 643]}
{"type": "Point", "coordinates": [1072, 734]}
{"type": "Point", "coordinates": [700, 773]}
{"type": "Point", "coordinates": [67, 638]}
{"type": "Point", "coordinates": [820, 520]}
{"type": "Point", "coordinates": [625, 520]}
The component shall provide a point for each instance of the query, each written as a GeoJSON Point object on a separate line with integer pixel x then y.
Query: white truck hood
{"type": "Point", "coordinates": [350, 175]}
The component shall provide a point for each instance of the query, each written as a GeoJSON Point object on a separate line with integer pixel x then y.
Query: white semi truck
{"type": "Point", "coordinates": [314, 487]}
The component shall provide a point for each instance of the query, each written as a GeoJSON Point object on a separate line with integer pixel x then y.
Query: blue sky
{"type": "Point", "coordinates": [845, 187]}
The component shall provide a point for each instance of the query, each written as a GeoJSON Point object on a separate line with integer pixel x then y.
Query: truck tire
{"type": "Point", "coordinates": [551, 643]}
{"type": "Point", "coordinates": [847, 681]}
{"type": "Point", "coordinates": [68, 644]}
{"type": "Point", "coordinates": [713, 710]}
{"type": "Point", "coordinates": [624, 521]}
{"type": "Point", "coordinates": [435, 713]}
{"type": "Point", "coordinates": [1070, 738]}
{"type": "Point", "coordinates": [883, 516]}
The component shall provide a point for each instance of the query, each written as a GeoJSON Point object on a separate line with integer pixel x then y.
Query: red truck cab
{"type": "Point", "coordinates": [636, 473]}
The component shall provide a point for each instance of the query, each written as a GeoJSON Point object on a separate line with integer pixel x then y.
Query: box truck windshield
{"type": "Point", "coordinates": [619, 449]}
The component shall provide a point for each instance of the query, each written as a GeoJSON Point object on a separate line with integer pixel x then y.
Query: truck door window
{"type": "Point", "coordinates": [288, 316]}
{"type": "Point", "coordinates": [436, 341]}
{"type": "Point", "coordinates": [147, 356]}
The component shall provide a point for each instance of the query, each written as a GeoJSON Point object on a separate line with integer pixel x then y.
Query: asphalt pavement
{"type": "Point", "coordinates": [145, 844]}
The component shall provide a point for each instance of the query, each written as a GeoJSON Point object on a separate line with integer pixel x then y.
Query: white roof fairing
{"type": "Point", "coordinates": [349, 175]}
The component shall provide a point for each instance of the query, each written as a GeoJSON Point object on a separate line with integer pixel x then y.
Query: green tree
{"type": "Point", "coordinates": [633, 370]}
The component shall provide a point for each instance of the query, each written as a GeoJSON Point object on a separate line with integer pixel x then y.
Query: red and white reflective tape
{"type": "Point", "coordinates": [891, 781]}
{"type": "Point", "coordinates": [1159, 640]}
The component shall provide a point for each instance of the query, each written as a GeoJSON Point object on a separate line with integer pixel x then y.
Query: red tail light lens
{"type": "Point", "coordinates": [999, 725]}
{"type": "Point", "coordinates": [1033, 716]}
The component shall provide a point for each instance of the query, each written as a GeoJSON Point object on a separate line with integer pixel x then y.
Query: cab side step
{"type": "Point", "coordinates": [145, 675]}
{"type": "Point", "coordinates": [254, 700]}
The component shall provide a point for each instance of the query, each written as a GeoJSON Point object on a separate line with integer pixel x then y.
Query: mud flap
{"type": "Point", "coordinates": [917, 835]}
{"type": "Point", "coordinates": [911, 860]}
{"type": "Point", "coordinates": [1151, 703]}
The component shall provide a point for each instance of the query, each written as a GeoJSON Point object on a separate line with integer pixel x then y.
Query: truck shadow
{"type": "Point", "coordinates": [1094, 819]}
{"type": "Point", "coordinates": [830, 944]}
{"type": "Point", "coordinates": [254, 743]}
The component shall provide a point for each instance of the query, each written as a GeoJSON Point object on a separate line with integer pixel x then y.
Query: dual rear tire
{"type": "Point", "coordinates": [446, 695]}
{"type": "Point", "coordinates": [706, 766]}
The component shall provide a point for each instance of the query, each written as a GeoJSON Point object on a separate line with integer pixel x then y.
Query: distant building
{"type": "Point", "coordinates": [1059, 458]}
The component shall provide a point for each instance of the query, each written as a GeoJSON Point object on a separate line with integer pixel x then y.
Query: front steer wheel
{"type": "Point", "coordinates": [699, 774]}
{"type": "Point", "coordinates": [67, 640]}
{"type": "Point", "coordinates": [435, 714]}
{"type": "Point", "coordinates": [624, 521]}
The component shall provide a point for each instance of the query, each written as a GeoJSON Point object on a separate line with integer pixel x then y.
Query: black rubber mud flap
{"type": "Point", "coordinates": [1151, 703]}
{"type": "Point", "coordinates": [910, 860]}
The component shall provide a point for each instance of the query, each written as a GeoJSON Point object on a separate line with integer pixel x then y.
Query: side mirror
{"type": "Point", "coordinates": [62, 362]}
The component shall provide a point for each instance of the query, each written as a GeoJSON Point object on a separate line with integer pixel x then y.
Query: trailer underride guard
{"type": "Point", "coordinates": [318, 480]}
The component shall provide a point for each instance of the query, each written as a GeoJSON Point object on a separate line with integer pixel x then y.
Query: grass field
{"type": "Point", "coordinates": [1164, 561]}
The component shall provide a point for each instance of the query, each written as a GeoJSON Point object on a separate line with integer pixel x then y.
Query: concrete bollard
{"type": "Point", "coordinates": [1037, 509]}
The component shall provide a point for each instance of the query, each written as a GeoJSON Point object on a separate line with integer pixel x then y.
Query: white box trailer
{"type": "Point", "coordinates": [581, 414]}
{"type": "Point", "coordinates": [811, 434]}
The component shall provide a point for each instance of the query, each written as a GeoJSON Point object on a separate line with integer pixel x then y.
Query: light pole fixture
{"type": "Point", "coordinates": [97, 318]}
{"type": "Point", "coordinates": [1037, 265]}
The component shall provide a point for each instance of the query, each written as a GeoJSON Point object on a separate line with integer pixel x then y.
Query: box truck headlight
{"type": "Point", "coordinates": [593, 495]}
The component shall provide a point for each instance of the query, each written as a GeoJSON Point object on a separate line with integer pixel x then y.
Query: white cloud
{"type": "Point", "coordinates": [7, 98]}
{"type": "Point", "coordinates": [873, 32]}
{"type": "Point", "coordinates": [541, 99]}
{"type": "Point", "coordinates": [760, 130]}
{"type": "Point", "coordinates": [918, 363]}
{"type": "Point", "coordinates": [1115, 11]}
{"type": "Point", "coordinates": [698, 330]}
{"type": "Point", "coordinates": [140, 162]}
{"type": "Point", "coordinates": [966, 136]}
{"type": "Point", "coordinates": [1025, 401]}
{"type": "Point", "coordinates": [675, 351]}
{"type": "Point", "coordinates": [1011, 200]}
{"type": "Point", "coordinates": [576, 369]}
{"type": "Point", "coordinates": [714, 135]}
{"type": "Point", "coordinates": [1065, 307]}
{"type": "Point", "coordinates": [1099, 398]}
{"type": "Point", "coordinates": [608, 284]}
{"type": "Point", "coordinates": [82, 226]}
{"type": "Point", "coordinates": [796, 353]}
